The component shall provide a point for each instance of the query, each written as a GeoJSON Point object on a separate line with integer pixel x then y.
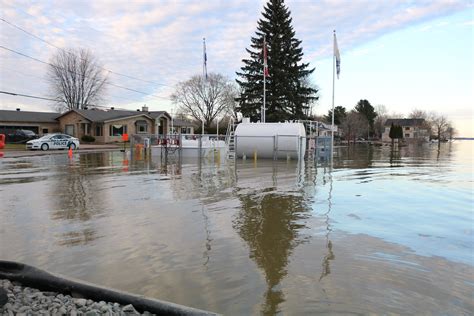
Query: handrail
{"type": "Point", "coordinates": [230, 127]}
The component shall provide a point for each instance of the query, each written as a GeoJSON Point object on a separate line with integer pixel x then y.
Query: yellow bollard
{"type": "Point", "coordinates": [255, 155]}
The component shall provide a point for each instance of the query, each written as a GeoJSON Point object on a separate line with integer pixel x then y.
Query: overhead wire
{"type": "Point", "coordinates": [68, 52]}
{"type": "Point", "coordinates": [172, 70]}
{"type": "Point", "coordinates": [50, 99]}
{"type": "Point", "coordinates": [42, 78]}
{"type": "Point", "coordinates": [108, 83]}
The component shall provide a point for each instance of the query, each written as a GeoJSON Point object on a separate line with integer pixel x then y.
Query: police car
{"type": "Point", "coordinates": [53, 141]}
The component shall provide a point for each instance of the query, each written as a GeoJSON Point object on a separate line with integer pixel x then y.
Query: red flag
{"type": "Point", "coordinates": [265, 65]}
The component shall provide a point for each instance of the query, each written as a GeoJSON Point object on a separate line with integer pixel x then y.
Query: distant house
{"type": "Point", "coordinates": [105, 125]}
{"type": "Point", "coordinates": [109, 126]}
{"type": "Point", "coordinates": [413, 129]}
{"type": "Point", "coordinates": [325, 129]}
{"type": "Point", "coordinates": [183, 126]}
{"type": "Point", "coordinates": [39, 122]}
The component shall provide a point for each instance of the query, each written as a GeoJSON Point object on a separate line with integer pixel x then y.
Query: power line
{"type": "Point", "coordinates": [64, 50]}
{"type": "Point", "coordinates": [108, 83]}
{"type": "Point", "coordinates": [49, 99]}
{"type": "Point", "coordinates": [172, 70]}
{"type": "Point", "coordinates": [42, 78]}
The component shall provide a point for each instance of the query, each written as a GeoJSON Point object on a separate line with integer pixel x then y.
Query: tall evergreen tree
{"type": "Point", "coordinates": [367, 110]}
{"type": "Point", "coordinates": [289, 93]}
{"type": "Point", "coordinates": [339, 115]}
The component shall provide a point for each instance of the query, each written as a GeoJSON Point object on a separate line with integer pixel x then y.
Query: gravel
{"type": "Point", "coordinates": [24, 301]}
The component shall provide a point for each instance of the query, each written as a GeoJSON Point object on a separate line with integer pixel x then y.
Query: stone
{"type": "Point", "coordinates": [80, 302]}
{"type": "Point", "coordinates": [129, 309]}
{"type": "Point", "coordinates": [23, 309]}
{"type": "Point", "coordinates": [104, 308]}
{"type": "Point", "coordinates": [3, 297]}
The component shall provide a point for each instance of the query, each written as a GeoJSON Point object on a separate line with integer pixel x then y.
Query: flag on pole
{"type": "Point", "coordinates": [338, 57]}
{"type": "Point", "coordinates": [265, 64]}
{"type": "Point", "coordinates": [204, 58]}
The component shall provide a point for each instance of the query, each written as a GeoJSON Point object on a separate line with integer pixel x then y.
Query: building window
{"type": "Point", "coordinates": [183, 130]}
{"type": "Point", "coordinates": [45, 131]}
{"type": "Point", "coordinates": [117, 130]}
{"type": "Point", "coordinates": [407, 135]}
{"type": "Point", "coordinates": [142, 127]}
{"type": "Point", "coordinates": [69, 129]}
{"type": "Point", "coordinates": [98, 130]}
{"type": "Point", "coordinates": [407, 128]}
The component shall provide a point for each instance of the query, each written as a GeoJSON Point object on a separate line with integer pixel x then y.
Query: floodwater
{"type": "Point", "coordinates": [383, 231]}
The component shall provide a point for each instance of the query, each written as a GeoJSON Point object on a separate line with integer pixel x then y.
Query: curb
{"type": "Point", "coordinates": [46, 281]}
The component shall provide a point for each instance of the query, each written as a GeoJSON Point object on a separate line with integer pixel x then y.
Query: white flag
{"type": "Point", "coordinates": [338, 57]}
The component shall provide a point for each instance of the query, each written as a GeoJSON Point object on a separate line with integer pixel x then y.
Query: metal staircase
{"type": "Point", "coordinates": [230, 139]}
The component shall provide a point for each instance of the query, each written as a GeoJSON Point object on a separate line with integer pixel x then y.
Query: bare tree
{"type": "Point", "coordinates": [232, 93]}
{"type": "Point", "coordinates": [354, 125]}
{"type": "Point", "coordinates": [76, 79]}
{"type": "Point", "coordinates": [203, 99]}
{"type": "Point", "coordinates": [440, 125]}
{"type": "Point", "coordinates": [421, 114]}
{"type": "Point", "coordinates": [379, 123]}
{"type": "Point", "coordinates": [418, 114]}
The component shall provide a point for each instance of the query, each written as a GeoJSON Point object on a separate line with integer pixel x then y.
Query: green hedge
{"type": "Point", "coordinates": [88, 139]}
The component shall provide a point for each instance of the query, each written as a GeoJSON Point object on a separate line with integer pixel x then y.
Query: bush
{"type": "Point", "coordinates": [88, 139]}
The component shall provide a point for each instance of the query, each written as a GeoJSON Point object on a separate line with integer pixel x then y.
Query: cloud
{"type": "Point", "coordinates": [161, 41]}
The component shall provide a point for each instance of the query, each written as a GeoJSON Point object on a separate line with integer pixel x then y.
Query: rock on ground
{"type": "Point", "coordinates": [16, 299]}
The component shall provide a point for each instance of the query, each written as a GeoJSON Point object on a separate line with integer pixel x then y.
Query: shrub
{"type": "Point", "coordinates": [88, 139]}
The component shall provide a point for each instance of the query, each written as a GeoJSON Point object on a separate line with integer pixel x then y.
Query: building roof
{"type": "Point", "coordinates": [95, 115]}
{"type": "Point", "coordinates": [155, 114]}
{"type": "Point", "coordinates": [404, 122]}
{"type": "Point", "coordinates": [92, 115]}
{"type": "Point", "coordinates": [179, 122]}
{"type": "Point", "coordinates": [28, 116]}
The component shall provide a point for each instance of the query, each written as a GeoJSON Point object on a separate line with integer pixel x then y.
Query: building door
{"type": "Point", "coordinates": [69, 129]}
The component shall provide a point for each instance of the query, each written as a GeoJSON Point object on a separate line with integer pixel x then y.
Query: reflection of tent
{"type": "Point", "coordinates": [270, 227]}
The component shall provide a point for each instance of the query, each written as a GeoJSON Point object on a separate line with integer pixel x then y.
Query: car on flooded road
{"type": "Point", "coordinates": [53, 141]}
{"type": "Point", "coordinates": [21, 136]}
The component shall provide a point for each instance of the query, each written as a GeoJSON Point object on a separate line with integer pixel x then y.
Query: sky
{"type": "Point", "coordinates": [400, 54]}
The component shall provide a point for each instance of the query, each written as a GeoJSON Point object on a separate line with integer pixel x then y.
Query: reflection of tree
{"type": "Point", "coordinates": [78, 200]}
{"type": "Point", "coordinates": [395, 158]}
{"type": "Point", "coordinates": [269, 225]}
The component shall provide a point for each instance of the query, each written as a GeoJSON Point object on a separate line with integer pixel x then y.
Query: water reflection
{"type": "Point", "coordinates": [77, 199]}
{"type": "Point", "coordinates": [265, 238]}
{"type": "Point", "coordinates": [326, 268]}
{"type": "Point", "coordinates": [270, 221]}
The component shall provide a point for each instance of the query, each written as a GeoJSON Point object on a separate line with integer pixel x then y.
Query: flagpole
{"type": "Point", "coordinates": [204, 57]}
{"type": "Point", "coordinates": [204, 74]}
{"type": "Point", "coordinates": [333, 83]}
{"type": "Point", "coordinates": [264, 80]}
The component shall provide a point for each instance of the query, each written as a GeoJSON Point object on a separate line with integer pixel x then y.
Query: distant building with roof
{"type": "Point", "coordinates": [109, 126]}
{"type": "Point", "coordinates": [38, 122]}
{"type": "Point", "coordinates": [413, 129]}
{"type": "Point", "coordinates": [105, 126]}
{"type": "Point", "coordinates": [183, 126]}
